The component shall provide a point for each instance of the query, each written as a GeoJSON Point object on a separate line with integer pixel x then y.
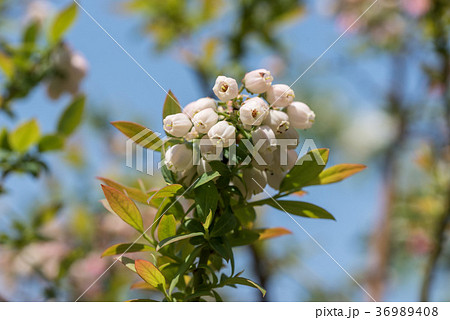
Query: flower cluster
{"type": "Point", "coordinates": [255, 132]}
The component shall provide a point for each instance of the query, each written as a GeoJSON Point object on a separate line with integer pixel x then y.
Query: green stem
{"type": "Point", "coordinates": [199, 272]}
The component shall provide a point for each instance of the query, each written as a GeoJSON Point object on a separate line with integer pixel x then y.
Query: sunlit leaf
{"type": "Point", "coordinates": [205, 178]}
{"type": "Point", "coordinates": [171, 105]}
{"type": "Point", "coordinates": [149, 273]}
{"type": "Point", "coordinates": [63, 21]}
{"type": "Point", "coordinates": [133, 193]}
{"type": "Point", "coordinates": [141, 135]}
{"type": "Point", "coordinates": [272, 233]}
{"type": "Point", "coordinates": [127, 262]}
{"type": "Point", "coordinates": [72, 115]}
{"type": "Point", "coordinates": [24, 136]}
{"type": "Point", "coordinates": [306, 170]}
{"type": "Point", "coordinates": [245, 282]}
{"type": "Point", "coordinates": [142, 285]}
{"type": "Point", "coordinates": [6, 65]}
{"type": "Point", "coordinates": [126, 248]}
{"type": "Point", "coordinates": [167, 227]}
{"type": "Point", "coordinates": [298, 208]}
{"type": "Point", "coordinates": [124, 207]}
{"type": "Point", "coordinates": [337, 173]}
{"type": "Point", "coordinates": [173, 239]}
{"type": "Point", "coordinates": [168, 191]}
{"type": "Point", "coordinates": [51, 142]}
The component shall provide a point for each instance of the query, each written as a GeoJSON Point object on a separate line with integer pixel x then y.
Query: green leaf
{"type": "Point", "coordinates": [30, 34]}
{"type": "Point", "coordinates": [206, 177]}
{"type": "Point", "coordinates": [6, 65]}
{"type": "Point", "coordinates": [51, 142]}
{"type": "Point", "coordinates": [24, 136]}
{"type": "Point", "coordinates": [165, 206]}
{"type": "Point", "coordinates": [244, 282]}
{"type": "Point", "coordinates": [243, 238]}
{"type": "Point", "coordinates": [62, 23]}
{"type": "Point", "coordinates": [245, 214]}
{"type": "Point", "coordinates": [142, 300]}
{"type": "Point", "coordinates": [298, 208]}
{"type": "Point", "coordinates": [184, 267]}
{"type": "Point", "coordinates": [167, 175]}
{"type": "Point", "coordinates": [149, 273]}
{"type": "Point", "coordinates": [72, 115]}
{"type": "Point", "coordinates": [206, 198]}
{"type": "Point", "coordinates": [133, 193]}
{"type": "Point", "coordinates": [171, 105]}
{"type": "Point", "coordinates": [124, 207]}
{"type": "Point", "coordinates": [126, 248]}
{"type": "Point", "coordinates": [127, 262]}
{"type": "Point", "coordinates": [173, 239]}
{"type": "Point", "coordinates": [168, 191]}
{"type": "Point", "coordinates": [337, 173]}
{"type": "Point", "coordinates": [141, 135]}
{"type": "Point", "coordinates": [167, 227]}
{"type": "Point", "coordinates": [224, 224]}
{"type": "Point", "coordinates": [306, 170]}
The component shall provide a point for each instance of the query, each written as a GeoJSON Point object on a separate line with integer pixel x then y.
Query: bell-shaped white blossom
{"type": "Point", "coordinates": [290, 137]}
{"type": "Point", "coordinates": [258, 81]}
{"type": "Point", "coordinates": [253, 111]}
{"type": "Point", "coordinates": [204, 120]}
{"type": "Point", "coordinates": [255, 181]}
{"type": "Point", "coordinates": [192, 135]}
{"type": "Point", "coordinates": [226, 88]}
{"type": "Point", "coordinates": [278, 121]}
{"type": "Point", "coordinates": [223, 133]}
{"type": "Point", "coordinates": [300, 115]}
{"type": "Point", "coordinates": [274, 178]}
{"type": "Point", "coordinates": [263, 138]}
{"type": "Point", "coordinates": [263, 159]}
{"type": "Point", "coordinates": [178, 158]}
{"type": "Point", "coordinates": [280, 95]}
{"type": "Point", "coordinates": [177, 125]}
{"type": "Point", "coordinates": [70, 68]}
{"type": "Point", "coordinates": [209, 149]}
{"type": "Point", "coordinates": [201, 104]}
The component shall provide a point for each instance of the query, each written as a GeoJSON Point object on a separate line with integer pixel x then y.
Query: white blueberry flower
{"type": "Point", "coordinates": [178, 158]}
{"type": "Point", "coordinates": [192, 135]}
{"type": "Point", "coordinates": [70, 68]}
{"type": "Point", "coordinates": [204, 120]}
{"type": "Point", "coordinates": [280, 95]}
{"type": "Point", "coordinates": [226, 88]}
{"type": "Point", "coordinates": [258, 81]}
{"type": "Point", "coordinates": [201, 104]}
{"type": "Point", "coordinates": [263, 159]}
{"type": "Point", "coordinates": [290, 137]}
{"type": "Point", "coordinates": [274, 178]}
{"type": "Point", "coordinates": [209, 149]}
{"type": "Point", "coordinates": [300, 115]}
{"type": "Point", "coordinates": [267, 136]}
{"type": "Point", "coordinates": [277, 120]}
{"type": "Point", "coordinates": [222, 133]}
{"type": "Point", "coordinates": [255, 181]}
{"type": "Point", "coordinates": [253, 111]}
{"type": "Point", "coordinates": [177, 125]}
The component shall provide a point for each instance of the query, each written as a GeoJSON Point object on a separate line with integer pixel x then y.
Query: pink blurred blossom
{"type": "Point", "coordinates": [416, 8]}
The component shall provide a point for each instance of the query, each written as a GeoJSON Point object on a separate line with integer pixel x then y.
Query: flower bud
{"type": "Point", "coordinates": [226, 88]}
{"type": "Point", "coordinates": [201, 104]}
{"type": "Point", "coordinates": [283, 160]}
{"type": "Point", "coordinates": [204, 120]}
{"type": "Point", "coordinates": [258, 81]}
{"type": "Point", "coordinates": [192, 135]}
{"type": "Point", "coordinates": [263, 159]}
{"type": "Point", "coordinates": [177, 125]}
{"type": "Point", "coordinates": [265, 134]}
{"type": "Point", "coordinates": [178, 158]}
{"type": "Point", "coordinates": [255, 181]}
{"type": "Point", "coordinates": [278, 121]}
{"type": "Point", "coordinates": [280, 95]}
{"type": "Point", "coordinates": [253, 111]}
{"type": "Point", "coordinates": [300, 115]}
{"type": "Point", "coordinates": [291, 135]}
{"type": "Point", "coordinates": [222, 132]}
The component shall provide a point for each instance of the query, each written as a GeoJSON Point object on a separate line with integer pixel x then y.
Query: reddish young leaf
{"type": "Point", "coordinates": [149, 273]}
{"type": "Point", "coordinates": [272, 233]}
{"type": "Point", "coordinates": [339, 172]}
